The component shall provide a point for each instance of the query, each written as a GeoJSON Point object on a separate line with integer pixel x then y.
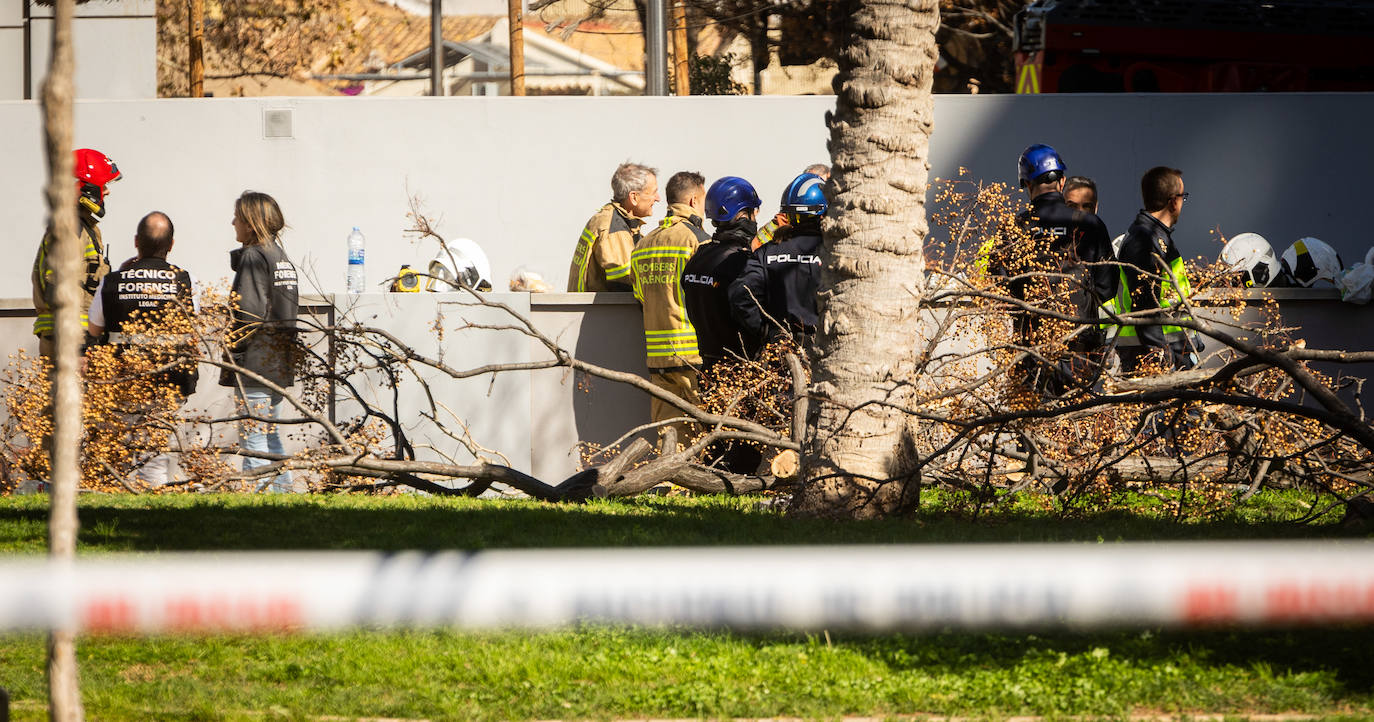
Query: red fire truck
{"type": "Point", "coordinates": [1202, 46]}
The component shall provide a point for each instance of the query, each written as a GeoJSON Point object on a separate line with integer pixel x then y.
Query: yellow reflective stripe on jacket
{"type": "Point", "coordinates": [678, 254]}
{"type": "Point", "coordinates": [582, 256]}
{"type": "Point", "coordinates": [1173, 287]}
{"type": "Point", "coordinates": [679, 342]}
{"type": "Point", "coordinates": [983, 260]}
{"type": "Point", "coordinates": [615, 273]}
{"type": "Point", "coordinates": [1176, 286]}
{"type": "Point", "coordinates": [91, 251]}
{"type": "Point", "coordinates": [766, 232]}
{"type": "Point", "coordinates": [40, 266]}
{"type": "Point", "coordinates": [687, 331]}
{"type": "Point", "coordinates": [661, 252]}
{"type": "Point", "coordinates": [43, 325]}
{"type": "Point", "coordinates": [684, 351]}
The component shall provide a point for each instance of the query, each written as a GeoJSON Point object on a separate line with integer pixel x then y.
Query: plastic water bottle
{"type": "Point", "coordinates": [357, 271]}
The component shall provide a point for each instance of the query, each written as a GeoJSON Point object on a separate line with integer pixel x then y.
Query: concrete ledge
{"type": "Point", "coordinates": [539, 301]}
{"type": "Point", "coordinates": [605, 298]}
{"type": "Point", "coordinates": [560, 298]}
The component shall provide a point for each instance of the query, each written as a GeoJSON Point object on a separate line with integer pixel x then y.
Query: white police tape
{"type": "Point", "coordinates": [856, 587]}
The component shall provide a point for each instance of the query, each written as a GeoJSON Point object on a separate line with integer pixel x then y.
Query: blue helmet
{"type": "Point", "coordinates": [1038, 161]}
{"type": "Point", "coordinates": [805, 196]}
{"type": "Point", "coordinates": [728, 196]}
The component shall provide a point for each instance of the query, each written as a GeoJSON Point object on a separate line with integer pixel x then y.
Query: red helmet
{"type": "Point", "coordinates": [93, 171]}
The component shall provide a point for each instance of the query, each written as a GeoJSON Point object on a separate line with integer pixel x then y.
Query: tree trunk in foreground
{"type": "Point", "coordinates": [861, 463]}
{"type": "Point", "coordinates": [64, 692]}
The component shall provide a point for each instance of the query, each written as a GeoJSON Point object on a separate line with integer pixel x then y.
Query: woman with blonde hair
{"type": "Point", "coordinates": [263, 333]}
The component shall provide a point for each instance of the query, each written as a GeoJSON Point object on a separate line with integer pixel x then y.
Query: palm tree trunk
{"type": "Point", "coordinates": [64, 692]}
{"type": "Point", "coordinates": [861, 461]}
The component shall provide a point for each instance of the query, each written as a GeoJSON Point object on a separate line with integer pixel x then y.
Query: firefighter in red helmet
{"type": "Point", "coordinates": [94, 173]}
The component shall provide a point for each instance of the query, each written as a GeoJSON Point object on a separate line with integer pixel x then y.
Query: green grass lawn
{"type": "Point", "coordinates": [610, 672]}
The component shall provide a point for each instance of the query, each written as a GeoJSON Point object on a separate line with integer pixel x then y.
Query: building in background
{"type": "Point", "coordinates": [601, 58]}
{"type": "Point", "coordinates": [115, 42]}
{"type": "Point", "coordinates": [1198, 46]}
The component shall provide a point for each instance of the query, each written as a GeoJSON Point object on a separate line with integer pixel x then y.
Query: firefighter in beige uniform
{"type": "Point", "coordinates": [602, 259]}
{"type": "Point", "coordinates": [94, 172]}
{"type": "Point", "coordinates": [670, 341]}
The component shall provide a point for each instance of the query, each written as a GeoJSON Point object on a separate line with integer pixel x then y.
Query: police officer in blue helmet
{"type": "Point", "coordinates": [732, 205]}
{"type": "Point", "coordinates": [776, 292]}
{"type": "Point", "coordinates": [1064, 242]}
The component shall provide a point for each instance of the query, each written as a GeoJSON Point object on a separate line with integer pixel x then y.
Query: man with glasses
{"type": "Point", "coordinates": [1153, 277]}
{"type": "Point", "coordinates": [602, 259]}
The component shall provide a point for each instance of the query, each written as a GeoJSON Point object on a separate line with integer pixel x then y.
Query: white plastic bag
{"type": "Point", "coordinates": [1355, 283]}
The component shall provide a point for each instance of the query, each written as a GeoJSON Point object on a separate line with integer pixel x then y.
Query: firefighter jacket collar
{"type": "Point", "coordinates": [628, 216]}
{"type": "Point", "coordinates": [682, 212]}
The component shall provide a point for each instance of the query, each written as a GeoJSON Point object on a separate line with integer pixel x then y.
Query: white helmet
{"type": "Point", "coordinates": [1251, 254]}
{"type": "Point", "coordinates": [460, 261]}
{"type": "Point", "coordinates": [1369, 257]}
{"type": "Point", "coordinates": [1310, 260]}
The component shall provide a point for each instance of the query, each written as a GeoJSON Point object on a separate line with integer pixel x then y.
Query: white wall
{"type": "Point", "coordinates": [521, 175]}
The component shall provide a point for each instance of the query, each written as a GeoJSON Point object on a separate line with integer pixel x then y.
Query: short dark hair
{"type": "Point", "coordinates": [153, 239]}
{"type": "Point", "coordinates": [683, 185]}
{"type": "Point", "coordinates": [1080, 181]}
{"type": "Point", "coordinates": [1158, 186]}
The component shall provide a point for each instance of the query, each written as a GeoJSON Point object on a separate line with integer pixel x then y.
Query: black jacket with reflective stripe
{"type": "Point", "coordinates": [1148, 246]}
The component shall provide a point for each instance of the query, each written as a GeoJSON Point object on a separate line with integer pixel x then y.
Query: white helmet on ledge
{"type": "Point", "coordinates": [461, 261]}
{"type": "Point", "coordinates": [1310, 260]}
{"type": "Point", "coordinates": [1251, 254]}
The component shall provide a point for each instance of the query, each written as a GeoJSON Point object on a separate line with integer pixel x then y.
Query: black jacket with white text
{"type": "Point", "coordinates": [781, 280]}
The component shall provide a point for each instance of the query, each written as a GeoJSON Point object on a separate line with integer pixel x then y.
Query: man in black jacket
{"type": "Point", "coordinates": [1066, 242]}
{"type": "Point", "coordinates": [732, 205]}
{"type": "Point", "coordinates": [776, 291]}
{"type": "Point", "coordinates": [1155, 275]}
{"type": "Point", "coordinates": [146, 288]}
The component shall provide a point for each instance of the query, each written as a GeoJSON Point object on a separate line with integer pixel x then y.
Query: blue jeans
{"type": "Point", "coordinates": [262, 436]}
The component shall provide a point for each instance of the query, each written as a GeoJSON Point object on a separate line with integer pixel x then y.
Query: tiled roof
{"type": "Point", "coordinates": [388, 34]}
